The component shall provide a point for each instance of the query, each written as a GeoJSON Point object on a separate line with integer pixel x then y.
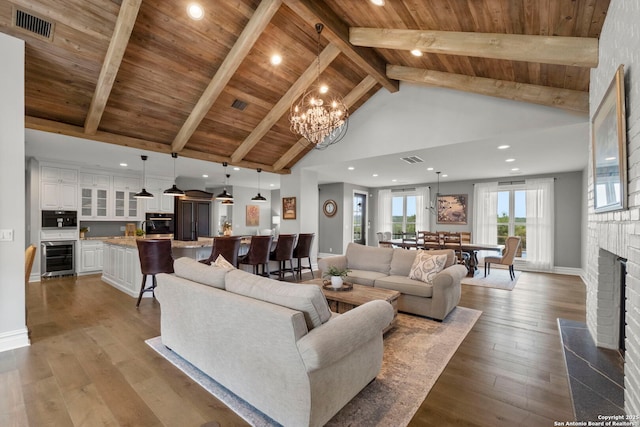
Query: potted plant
{"type": "Point", "coordinates": [337, 275]}
{"type": "Point", "coordinates": [139, 232]}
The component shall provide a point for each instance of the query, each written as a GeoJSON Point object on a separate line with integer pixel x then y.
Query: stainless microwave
{"type": "Point", "coordinates": [59, 219]}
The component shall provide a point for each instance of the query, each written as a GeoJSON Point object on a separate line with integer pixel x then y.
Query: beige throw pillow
{"type": "Point", "coordinates": [223, 263]}
{"type": "Point", "coordinates": [426, 266]}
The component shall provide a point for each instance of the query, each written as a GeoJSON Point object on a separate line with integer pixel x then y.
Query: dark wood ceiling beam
{"type": "Point", "coordinates": [111, 64]}
{"type": "Point", "coordinates": [258, 22]}
{"type": "Point", "coordinates": [352, 97]}
{"type": "Point", "coordinates": [566, 99]}
{"type": "Point", "coordinates": [309, 76]}
{"type": "Point", "coordinates": [572, 51]}
{"type": "Point", "coordinates": [45, 125]}
{"type": "Point", "coordinates": [337, 32]}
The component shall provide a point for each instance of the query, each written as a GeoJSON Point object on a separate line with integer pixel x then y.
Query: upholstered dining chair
{"type": "Point", "coordinates": [282, 253]}
{"type": "Point", "coordinates": [510, 248]}
{"type": "Point", "coordinates": [303, 250]}
{"type": "Point", "coordinates": [227, 246]}
{"type": "Point", "coordinates": [259, 250]}
{"type": "Point", "coordinates": [155, 257]}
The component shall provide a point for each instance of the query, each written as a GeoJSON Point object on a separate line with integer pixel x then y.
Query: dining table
{"type": "Point", "coordinates": [469, 248]}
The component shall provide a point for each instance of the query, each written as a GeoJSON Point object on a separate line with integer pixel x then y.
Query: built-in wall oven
{"type": "Point", "coordinates": [158, 223]}
{"type": "Point", "coordinates": [58, 258]}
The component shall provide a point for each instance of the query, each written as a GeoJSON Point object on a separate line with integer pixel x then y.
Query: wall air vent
{"type": "Point", "coordinates": [239, 105]}
{"type": "Point", "coordinates": [412, 159]}
{"type": "Point", "coordinates": [33, 24]}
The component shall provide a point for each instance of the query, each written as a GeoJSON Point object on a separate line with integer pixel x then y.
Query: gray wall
{"type": "Point", "coordinates": [331, 229]}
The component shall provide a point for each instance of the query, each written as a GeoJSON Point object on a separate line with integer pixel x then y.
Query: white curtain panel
{"type": "Point", "coordinates": [422, 205]}
{"type": "Point", "coordinates": [485, 213]}
{"type": "Point", "coordinates": [384, 222]}
{"type": "Point", "coordinates": [540, 220]}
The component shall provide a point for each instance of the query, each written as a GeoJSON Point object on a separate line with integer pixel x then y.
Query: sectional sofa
{"type": "Point", "coordinates": [274, 344]}
{"type": "Point", "coordinates": [389, 268]}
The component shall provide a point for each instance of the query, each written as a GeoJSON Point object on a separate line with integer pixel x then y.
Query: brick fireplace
{"type": "Point", "coordinates": [617, 234]}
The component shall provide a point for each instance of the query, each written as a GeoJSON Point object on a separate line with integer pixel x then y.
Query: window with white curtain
{"type": "Point", "coordinates": [403, 211]}
{"type": "Point", "coordinates": [512, 216]}
{"type": "Point", "coordinates": [403, 214]}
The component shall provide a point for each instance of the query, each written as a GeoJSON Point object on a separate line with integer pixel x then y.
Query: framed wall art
{"type": "Point", "coordinates": [452, 209]}
{"type": "Point", "coordinates": [253, 215]}
{"type": "Point", "coordinates": [288, 208]}
{"type": "Point", "coordinates": [609, 148]}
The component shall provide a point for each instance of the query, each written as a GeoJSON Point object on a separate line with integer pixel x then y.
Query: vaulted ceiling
{"type": "Point", "coordinates": [141, 73]}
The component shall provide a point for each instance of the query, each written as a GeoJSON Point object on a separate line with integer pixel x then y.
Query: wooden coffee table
{"type": "Point", "coordinates": [343, 301]}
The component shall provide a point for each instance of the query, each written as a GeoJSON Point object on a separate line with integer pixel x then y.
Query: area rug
{"type": "Point", "coordinates": [416, 351]}
{"type": "Point", "coordinates": [498, 279]}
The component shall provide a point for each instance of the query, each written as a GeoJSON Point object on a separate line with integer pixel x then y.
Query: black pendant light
{"type": "Point", "coordinates": [144, 194]}
{"type": "Point", "coordinates": [225, 195]}
{"type": "Point", "coordinates": [174, 191]}
{"type": "Point", "coordinates": [259, 198]}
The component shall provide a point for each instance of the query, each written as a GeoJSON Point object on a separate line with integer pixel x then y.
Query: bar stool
{"type": "Point", "coordinates": [227, 246]}
{"type": "Point", "coordinates": [155, 257]}
{"type": "Point", "coordinates": [259, 250]}
{"type": "Point", "coordinates": [282, 253]}
{"type": "Point", "coordinates": [303, 250]}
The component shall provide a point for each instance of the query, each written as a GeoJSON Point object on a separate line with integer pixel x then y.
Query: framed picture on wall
{"type": "Point", "coordinates": [609, 148]}
{"type": "Point", "coordinates": [452, 209]}
{"type": "Point", "coordinates": [253, 215]}
{"type": "Point", "coordinates": [288, 208]}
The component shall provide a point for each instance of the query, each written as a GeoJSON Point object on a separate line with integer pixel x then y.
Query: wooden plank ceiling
{"type": "Point", "coordinates": [141, 73]}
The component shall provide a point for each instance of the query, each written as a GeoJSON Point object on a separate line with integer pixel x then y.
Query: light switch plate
{"type": "Point", "coordinates": [6, 235]}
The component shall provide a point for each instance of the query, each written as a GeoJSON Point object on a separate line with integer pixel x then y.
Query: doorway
{"type": "Point", "coordinates": [360, 218]}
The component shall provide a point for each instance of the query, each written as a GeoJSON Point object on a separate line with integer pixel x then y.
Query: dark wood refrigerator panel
{"type": "Point", "coordinates": [193, 215]}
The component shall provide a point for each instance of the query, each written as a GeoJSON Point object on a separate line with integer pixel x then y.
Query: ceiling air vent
{"type": "Point", "coordinates": [239, 105]}
{"type": "Point", "coordinates": [412, 159]}
{"type": "Point", "coordinates": [33, 24]}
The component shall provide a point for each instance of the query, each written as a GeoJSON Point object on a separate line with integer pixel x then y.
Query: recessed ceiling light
{"type": "Point", "coordinates": [276, 59]}
{"type": "Point", "coordinates": [272, 185]}
{"type": "Point", "coordinates": [416, 52]}
{"type": "Point", "coordinates": [510, 160]}
{"type": "Point", "coordinates": [394, 180]}
{"type": "Point", "coordinates": [503, 147]}
{"type": "Point", "coordinates": [195, 11]}
{"type": "Point", "coordinates": [378, 2]}
{"type": "Point", "coordinates": [324, 89]}
{"type": "Point", "coordinates": [351, 168]}
{"type": "Point", "coordinates": [205, 176]}
{"type": "Point", "coordinates": [429, 169]}
{"type": "Point", "coordinates": [236, 168]}
{"type": "Point", "coordinates": [444, 175]}
{"type": "Point", "coordinates": [375, 174]}
{"type": "Point", "coordinates": [515, 169]}
{"type": "Point", "coordinates": [124, 165]}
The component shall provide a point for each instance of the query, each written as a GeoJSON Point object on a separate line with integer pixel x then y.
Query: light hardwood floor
{"type": "Point", "coordinates": [88, 364]}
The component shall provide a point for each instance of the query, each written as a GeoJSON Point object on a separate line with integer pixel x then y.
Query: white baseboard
{"type": "Point", "coordinates": [14, 339]}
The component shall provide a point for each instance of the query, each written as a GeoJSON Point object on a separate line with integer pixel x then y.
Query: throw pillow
{"type": "Point", "coordinates": [223, 263]}
{"type": "Point", "coordinates": [426, 266]}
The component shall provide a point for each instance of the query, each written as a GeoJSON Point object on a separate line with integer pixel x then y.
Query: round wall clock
{"type": "Point", "coordinates": [330, 207]}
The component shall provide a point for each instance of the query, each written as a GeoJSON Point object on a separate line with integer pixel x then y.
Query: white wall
{"type": "Point", "coordinates": [13, 332]}
{"type": "Point", "coordinates": [617, 233]}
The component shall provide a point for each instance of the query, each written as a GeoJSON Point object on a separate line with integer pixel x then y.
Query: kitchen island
{"type": "Point", "coordinates": [121, 268]}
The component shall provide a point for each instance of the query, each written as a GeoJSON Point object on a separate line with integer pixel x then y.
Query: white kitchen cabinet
{"type": "Point", "coordinates": [122, 269]}
{"type": "Point", "coordinates": [126, 206]}
{"type": "Point", "coordinates": [91, 256]}
{"type": "Point", "coordinates": [58, 188]}
{"type": "Point", "coordinates": [160, 203]}
{"type": "Point", "coordinates": [95, 195]}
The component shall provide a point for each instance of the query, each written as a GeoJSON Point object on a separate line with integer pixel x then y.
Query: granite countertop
{"type": "Point", "coordinates": [202, 242]}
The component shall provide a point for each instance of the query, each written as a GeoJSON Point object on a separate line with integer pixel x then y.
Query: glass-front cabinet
{"type": "Point", "coordinates": [126, 205]}
{"type": "Point", "coordinates": [94, 196]}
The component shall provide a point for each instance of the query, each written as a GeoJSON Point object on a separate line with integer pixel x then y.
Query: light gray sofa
{"type": "Point", "coordinates": [389, 268]}
{"type": "Point", "coordinates": [276, 345]}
